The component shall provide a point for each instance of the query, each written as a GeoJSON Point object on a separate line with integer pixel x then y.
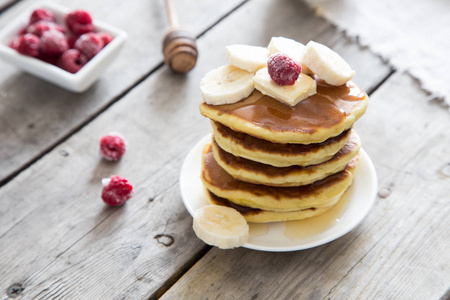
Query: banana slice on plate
{"type": "Point", "coordinates": [221, 226]}
{"type": "Point", "coordinates": [249, 58]}
{"type": "Point", "coordinates": [327, 64]}
{"type": "Point", "coordinates": [225, 85]}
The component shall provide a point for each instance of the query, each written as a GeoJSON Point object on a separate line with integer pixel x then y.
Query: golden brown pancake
{"type": "Point", "coordinates": [264, 216]}
{"type": "Point", "coordinates": [332, 110]}
{"type": "Point", "coordinates": [317, 194]}
{"type": "Point", "coordinates": [254, 172]}
{"type": "Point", "coordinates": [275, 154]}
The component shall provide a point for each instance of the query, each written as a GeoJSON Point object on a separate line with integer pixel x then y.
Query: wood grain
{"type": "Point", "coordinates": [400, 251]}
{"type": "Point", "coordinates": [58, 240]}
{"type": "Point", "coordinates": [35, 115]}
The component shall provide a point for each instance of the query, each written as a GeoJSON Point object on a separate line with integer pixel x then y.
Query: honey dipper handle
{"type": "Point", "coordinates": [179, 46]}
{"type": "Point", "coordinates": [171, 13]}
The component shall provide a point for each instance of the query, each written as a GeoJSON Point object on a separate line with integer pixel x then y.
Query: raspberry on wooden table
{"type": "Point", "coordinates": [116, 190]}
{"type": "Point", "coordinates": [79, 22]}
{"type": "Point", "coordinates": [283, 69]}
{"type": "Point", "coordinates": [41, 14]}
{"type": "Point", "coordinates": [112, 146]}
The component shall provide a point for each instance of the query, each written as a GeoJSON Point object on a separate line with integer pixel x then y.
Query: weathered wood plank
{"type": "Point", "coordinates": [35, 115]}
{"type": "Point", "coordinates": [56, 237]}
{"type": "Point", "coordinates": [399, 252]}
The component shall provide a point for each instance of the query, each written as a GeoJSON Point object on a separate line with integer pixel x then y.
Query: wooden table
{"type": "Point", "coordinates": [59, 241]}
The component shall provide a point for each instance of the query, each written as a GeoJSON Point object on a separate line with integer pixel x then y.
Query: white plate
{"type": "Point", "coordinates": [292, 235]}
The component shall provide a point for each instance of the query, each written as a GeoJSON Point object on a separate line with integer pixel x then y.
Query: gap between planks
{"type": "Point", "coordinates": [108, 105]}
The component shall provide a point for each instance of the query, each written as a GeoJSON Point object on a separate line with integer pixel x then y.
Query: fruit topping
{"type": "Point", "coordinates": [116, 190]}
{"type": "Point", "coordinates": [303, 87]}
{"type": "Point", "coordinates": [89, 44]}
{"type": "Point", "coordinates": [79, 22]}
{"type": "Point", "coordinates": [327, 64]}
{"type": "Point", "coordinates": [283, 69]}
{"type": "Point", "coordinates": [41, 14]}
{"type": "Point", "coordinates": [249, 58]}
{"type": "Point", "coordinates": [53, 43]}
{"type": "Point", "coordinates": [27, 44]}
{"type": "Point", "coordinates": [225, 85]}
{"type": "Point", "coordinates": [72, 60]}
{"type": "Point", "coordinates": [112, 146]}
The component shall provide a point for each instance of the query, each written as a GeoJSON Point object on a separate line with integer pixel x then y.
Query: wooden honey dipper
{"type": "Point", "coordinates": [179, 47]}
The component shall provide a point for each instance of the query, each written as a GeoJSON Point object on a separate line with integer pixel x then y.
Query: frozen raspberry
{"type": "Point", "coordinates": [41, 14]}
{"type": "Point", "coordinates": [72, 60]}
{"type": "Point", "coordinates": [40, 27]}
{"type": "Point", "coordinates": [116, 190]}
{"type": "Point", "coordinates": [79, 22]}
{"type": "Point", "coordinates": [14, 43]}
{"type": "Point", "coordinates": [71, 39]}
{"type": "Point", "coordinates": [89, 44]}
{"type": "Point", "coordinates": [53, 43]}
{"type": "Point", "coordinates": [49, 59]}
{"type": "Point", "coordinates": [27, 44]}
{"type": "Point", "coordinates": [283, 69]}
{"type": "Point", "coordinates": [106, 37]}
{"type": "Point", "coordinates": [112, 146]}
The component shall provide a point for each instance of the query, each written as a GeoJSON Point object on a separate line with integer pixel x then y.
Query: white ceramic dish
{"type": "Point", "coordinates": [77, 82]}
{"type": "Point", "coordinates": [293, 235]}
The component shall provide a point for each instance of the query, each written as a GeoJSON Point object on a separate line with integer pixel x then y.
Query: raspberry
{"type": "Point", "coordinates": [89, 44]}
{"type": "Point", "coordinates": [40, 27]}
{"type": "Point", "coordinates": [79, 22]}
{"type": "Point", "coordinates": [53, 43]}
{"type": "Point", "coordinates": [116, 190]}
{"type": "Point", "coordinates": [72, 60]}
{"type": "Point", "coordinates": [41, 14]}
{"type": "Point", "coordinates": [14, 43]}
{"type": "Point", "coordinates": [283, 69]}
{"type": "Point", "coordinates": [71, 39]}
{"type": "Point", "coordinates": [106, 37]}
{"type": "Point", "coordinates": [112, 146]}
{"type": "Point", "coordinates": [27, 44]}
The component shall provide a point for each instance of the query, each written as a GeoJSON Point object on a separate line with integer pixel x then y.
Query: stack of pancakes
{"type": "Point", "coordinates": [275, 162]}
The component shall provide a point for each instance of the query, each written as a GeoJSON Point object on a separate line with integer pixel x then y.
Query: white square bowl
{"type": "Point", "coordinates": [78, 82]}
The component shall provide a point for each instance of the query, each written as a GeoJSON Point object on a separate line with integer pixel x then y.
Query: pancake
{"type": "Point", "coordinates": [222, 184]}
{"type": "Point", "coordinates": [254, 172]}
{"type": "Point", "coordinates": [332, 110]}
{"type": "Point", "coordinates": [275, 154]}
{"type": "Point", "coordinates": [264, 216]}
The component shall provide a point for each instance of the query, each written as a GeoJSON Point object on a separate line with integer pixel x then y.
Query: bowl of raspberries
{"type": "Point", "coordinates": [64, 47]}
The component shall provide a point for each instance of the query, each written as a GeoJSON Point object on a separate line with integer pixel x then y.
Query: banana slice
{"type": "Point", "coordinates": [304, 87]}
{"type": "Point", "coordinates": [225, 85]}
{"type": "Point", "coordinates": [221, 226]}
{"type": "Point", "coordinates": [291, 48]}
{"type": "Point", "coordinates": [249, 58]}
{"type": "Point", "coordinates": [327, 64]}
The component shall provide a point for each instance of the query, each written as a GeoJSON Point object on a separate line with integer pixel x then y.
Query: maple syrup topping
{"type": "Point", "coordinates": [325, 109]}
